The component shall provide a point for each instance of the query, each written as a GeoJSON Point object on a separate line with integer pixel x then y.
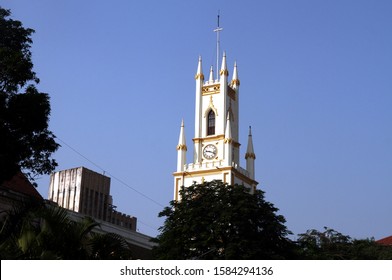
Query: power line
{"type": "Point", "coordinates": [111, 175]}
{"type": "Point", "coordinates": [74, 150]}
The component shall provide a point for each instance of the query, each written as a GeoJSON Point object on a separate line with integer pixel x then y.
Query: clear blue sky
{"type": "Point", "coordinates": [316, 86]}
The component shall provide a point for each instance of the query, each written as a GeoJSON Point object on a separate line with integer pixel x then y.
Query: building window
{"type": "Point", "coordinates": [211, 123]}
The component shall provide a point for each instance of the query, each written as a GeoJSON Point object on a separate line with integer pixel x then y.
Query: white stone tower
{"type": "Point", "coordinates": [216, 151]}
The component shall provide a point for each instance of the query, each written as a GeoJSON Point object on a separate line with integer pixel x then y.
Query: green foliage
{"type": "Point", "coordinates": [218, 221]}
{"type": "Point", "coordinates": [26, 143]}
{"type": "Point", "coordinates": [36, 230]}
{"type": "Point", "coordinates": [333, 245]}
{"type": "Point", "coordinates": [110, 246]}
{"type": "Point", "coordinates": [329, 244]}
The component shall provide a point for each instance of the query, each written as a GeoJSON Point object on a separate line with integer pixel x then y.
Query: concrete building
{"type": "Point", "coordinates": [87, 192]}
{"type": "Point", "coordinates": [216, 147]}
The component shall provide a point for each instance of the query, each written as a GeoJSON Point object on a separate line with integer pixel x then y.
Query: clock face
{"type": "Point", "coordinates": [210, 151]}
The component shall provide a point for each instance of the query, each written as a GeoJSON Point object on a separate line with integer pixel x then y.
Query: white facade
{"type": "Point", "coordinates": [216, 147]}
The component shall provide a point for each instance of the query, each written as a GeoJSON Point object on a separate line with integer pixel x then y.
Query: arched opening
{"type": "Point", "coordinates": [211, 123]}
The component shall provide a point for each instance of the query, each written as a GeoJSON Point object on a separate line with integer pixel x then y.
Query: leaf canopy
{"type": "Point", "coordinates": [215, 220]}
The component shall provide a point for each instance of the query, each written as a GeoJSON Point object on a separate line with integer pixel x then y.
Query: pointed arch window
{"type": "Point", "coordinates": [211, 123]}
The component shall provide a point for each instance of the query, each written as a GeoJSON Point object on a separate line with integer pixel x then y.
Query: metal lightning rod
{"type": "Point", "coordinates": [217, 30]}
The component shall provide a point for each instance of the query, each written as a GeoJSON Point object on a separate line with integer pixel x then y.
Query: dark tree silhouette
{"type": "Point", "coordinates": [33, 229]}
{"type": "Point", "coordinates": [214, 220]}
{"type": "Point", "coordinates": [26, 143]}
{"type": "Point", "coordinates": [330, 244]}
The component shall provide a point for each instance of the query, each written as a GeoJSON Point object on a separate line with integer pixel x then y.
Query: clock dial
{"type": "Point", "coordinates": [210, 151]}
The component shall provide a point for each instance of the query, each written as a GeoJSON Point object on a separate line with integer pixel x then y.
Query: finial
{"type": "Point", "coordinates": [181, 140]}
{"type": "Point", "coordinates": [223, 70]}
{"type": "Point", "coordinates": [235, 81]}
{"type": "Point", "coordinates": [199, 73]}
{"type": "Point", "coordinates": [211, 79]}
{"type": "Point", "coordinates": [250, 151]}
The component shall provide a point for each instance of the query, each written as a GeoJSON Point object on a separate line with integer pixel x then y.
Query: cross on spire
{"type": "Point", "coordinates": [217, 30]}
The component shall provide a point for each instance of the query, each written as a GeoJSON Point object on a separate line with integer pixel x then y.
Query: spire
{"type": "Point", "coordinates": [223, 70]}
{"type": "Point", "coordinates": [199, 73]}
{"type": "Point", "coordinates": [250, 151]}
{"type": "Point", "coordinates": [181, 149]}
{"type": "Point", "coordinates": [235, 81]}
{"type": "Point", "coordinates": [211, 79]}
{"type": "Point", "coordinates": [181, 141]}
{"type": "Point", "coordinates": [250, 156]}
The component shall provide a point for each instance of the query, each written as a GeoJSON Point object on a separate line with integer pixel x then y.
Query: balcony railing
{"type": "Point", "coordinates": [213, 164]}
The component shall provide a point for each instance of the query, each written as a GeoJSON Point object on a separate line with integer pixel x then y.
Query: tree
{"type": "Point", "coordinates": [36, 230]}
{"type": "Point", "coordinates": [333, 245]}
{"type": "Point", "coordinates": [214, 220]}
{"type": "Point", "coordinates": [26, 143]}
{"type": "Point", "coordinates": [109, 246]}
{"type": "Point", "coordinates": [326, 245]}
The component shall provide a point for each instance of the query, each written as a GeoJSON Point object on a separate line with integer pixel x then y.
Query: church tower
{"type": "Point", "coordinates": [216, 147]}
